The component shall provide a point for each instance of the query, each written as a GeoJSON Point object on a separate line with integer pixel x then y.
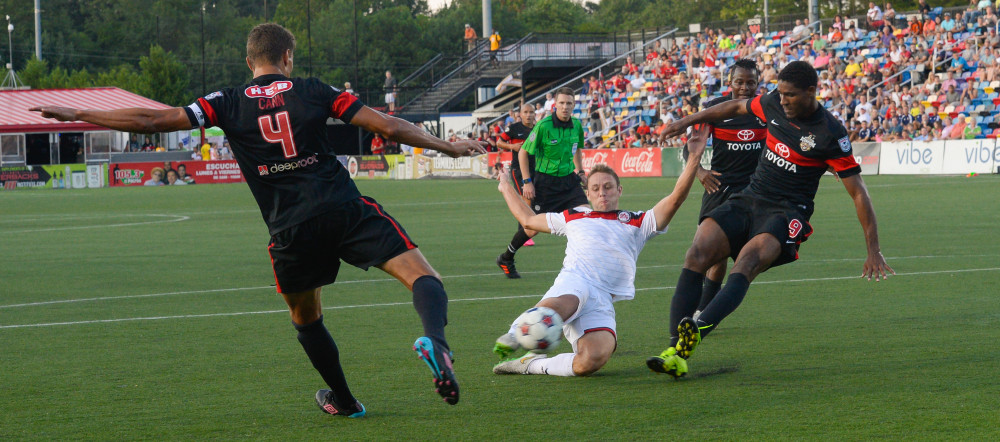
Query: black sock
{"type": "Point", "coordinates": [708, 292]}
{"type": "Point", "coordinates": [685, 300]}
{"type": "Point", "coordinates": [431, 302]}
{"type": "Point", "coordinates": [325, 357]}
{"type": "Point", "coordinates": [515, 243]}
{"type": "Point", "coordinates": [724, 303]}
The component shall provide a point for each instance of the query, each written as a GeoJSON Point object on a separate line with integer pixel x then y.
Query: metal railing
{"type": "Point", "coordinates": [537, 46]}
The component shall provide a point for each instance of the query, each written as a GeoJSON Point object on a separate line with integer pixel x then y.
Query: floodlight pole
{"type": "Point", "coordinates": [203, 90]}
{"type": "Point", "coordinates": [10, 81]}
{"type": "Point", "coordinates": [38, 29]}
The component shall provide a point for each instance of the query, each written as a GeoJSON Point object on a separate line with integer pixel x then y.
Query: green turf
{"type": "Point", "coordinates": [114, 329]}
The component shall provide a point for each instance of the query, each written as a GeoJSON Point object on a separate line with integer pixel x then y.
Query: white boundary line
{"type": "Point", "coordinates": [391, 304]}
{"type": "Point", "coordinates": [175, 219]}
{"type": "Point", "coordinates": [471, 275]}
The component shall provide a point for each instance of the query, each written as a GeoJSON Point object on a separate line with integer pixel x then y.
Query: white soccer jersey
{"type": "Point", "coordinates": [603, 247]}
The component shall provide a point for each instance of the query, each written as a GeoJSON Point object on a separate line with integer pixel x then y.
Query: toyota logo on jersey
{"type": "Point", "coordinates": [782, 150]}
{"type": "Point", "coordinates": [745, 135]}
{"type": "Point", "coordinates": [268, 91]}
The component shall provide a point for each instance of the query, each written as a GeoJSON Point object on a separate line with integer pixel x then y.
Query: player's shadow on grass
{"type": "Point", "coordinates": [720, 370]}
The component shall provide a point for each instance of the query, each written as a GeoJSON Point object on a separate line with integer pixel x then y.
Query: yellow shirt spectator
{"type": "Point", "coordinates": [853, 70]}
{"type": "Point", "coordinates": [495, 41]}
{"type": "Point", "coordinates": [206, 152]}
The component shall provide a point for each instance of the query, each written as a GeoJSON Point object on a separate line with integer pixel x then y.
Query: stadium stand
{"type": "Point", "coordinates": [916, 77]}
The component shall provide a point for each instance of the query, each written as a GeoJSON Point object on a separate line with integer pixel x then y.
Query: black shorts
{"type": "Point", "coordinates": [709, 201]}
{"type": "Point", "coordinates": [743, 217]}
{"type": "Point", "coordinates": [557, 193]}
{"type": "Point", "coordinates": [515, 175]}
{"type": "Point", "coordinates": [360, 232]}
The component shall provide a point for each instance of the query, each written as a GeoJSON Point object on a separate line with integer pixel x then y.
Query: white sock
{"type": "Point", "coordinates": [558, 365]}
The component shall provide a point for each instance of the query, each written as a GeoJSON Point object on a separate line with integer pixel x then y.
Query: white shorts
{"type": "Point", "coordinates": [596, 311]}
{"type": "Point", "coordinates": [390, 98]}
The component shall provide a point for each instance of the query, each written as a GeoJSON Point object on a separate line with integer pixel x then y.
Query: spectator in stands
{"type": "Point", "coordinates": [923, 8]}
{"type": "Point", "coordinates": [213, 152]}
{"type": "Point", "coordinates": [874, 16]}
{"type": "Point", "coordinates": [948, 24]}
{"type": "Point", "coordinates": [930, 25]}
{"type": "Point", "coordinates": [470, 38]}
{"type": "Point", "coordinates": [958, 128]}
{"type": "Point", "coordinates": [348, 89]}
{"type": "Point", "coordinates": [390, 88]}
{"type": "Point", "coordinates": [147, 146]}
{"type": "Point", "coordinates": [495, 48]}
{"type": "Point", "coordinates": [155, 177]}
{"type": "Point", "coordinates": [377, 145]}
{"type": "Point", "coordinates": [799, 30]}
{"type": "Point", "coordinates": [888, 15]}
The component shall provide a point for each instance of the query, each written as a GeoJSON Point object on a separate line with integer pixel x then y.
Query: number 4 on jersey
{"type": "Point", "coordinates": [282, 135]}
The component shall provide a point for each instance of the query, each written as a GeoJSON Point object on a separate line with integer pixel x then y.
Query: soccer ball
{"type": "Point", "coordinates": [538, 329]}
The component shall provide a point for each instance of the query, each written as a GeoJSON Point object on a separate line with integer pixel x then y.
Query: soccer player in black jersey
{"type": "Point", "coordinates": [315, 214]}
{"type": "Point", "coordinates": [762, 226]}
{"type": "Point", "coordinates": [511, 140]}
{"type": "Point", "coordinates": [736, 147]}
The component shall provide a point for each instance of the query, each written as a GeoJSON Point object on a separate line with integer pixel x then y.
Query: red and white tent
{"type": "Point", "coordinates": [16, 118]}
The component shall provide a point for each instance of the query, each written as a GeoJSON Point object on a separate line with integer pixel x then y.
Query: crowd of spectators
{"type": "Point", "coordinates": [928, 74]}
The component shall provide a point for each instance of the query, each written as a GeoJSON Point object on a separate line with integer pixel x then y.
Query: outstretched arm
{"type": "Point", "coordinates": [519, 209]}
{"type": "Point", "coordinates": [719, 112]}
{"type": "Point", "coordinates": [667, 207]}
{"type": "Point", "coordinates": [136, 120]}
{"type": "Point", "coordinates": [875, 263]}
{"type": "Point", "coordinates": [403, 131]}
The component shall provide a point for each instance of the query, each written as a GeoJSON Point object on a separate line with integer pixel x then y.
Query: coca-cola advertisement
{"type": "Point", "coordinates": [174, 173]}
{"type": "Point", "coordinates": [627, 162]}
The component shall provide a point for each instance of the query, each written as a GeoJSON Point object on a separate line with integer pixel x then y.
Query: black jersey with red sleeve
{"type": "Point", "coordinates": [277, 129]}
{"type": "Point", "coordinates": [736, 145]}
{"type": "Point", "coordinates": [798, 152]}
{"type": "Point", "coordinates": [517, 133]}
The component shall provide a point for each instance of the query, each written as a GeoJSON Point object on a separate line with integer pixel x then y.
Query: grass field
{"type": "Point", "coordinates": [148, 313]}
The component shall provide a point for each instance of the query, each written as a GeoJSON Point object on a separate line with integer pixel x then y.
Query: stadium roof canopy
{"type": "Point", "coordinates": [16, 118]}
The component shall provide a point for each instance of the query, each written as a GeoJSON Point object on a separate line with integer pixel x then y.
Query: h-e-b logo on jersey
{"type": "Point", "coordinates": [268, 91]}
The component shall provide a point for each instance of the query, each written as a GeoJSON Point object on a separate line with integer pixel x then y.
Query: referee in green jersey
{"type": "Point", "coordinates": [554, 185]}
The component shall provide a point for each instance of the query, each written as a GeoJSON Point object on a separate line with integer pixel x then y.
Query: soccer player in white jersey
{"type": "Point", "coordinates": [599, 269]}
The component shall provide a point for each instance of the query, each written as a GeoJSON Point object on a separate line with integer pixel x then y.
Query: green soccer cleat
{"type": "Point", "coordinates": [668, 362]}
{"type": "Point", "coordinates": [688, 337]}
{"type": "Point", "coordinates": [517, 365]}
{"type": "Point", "coordinates": [506, 345]}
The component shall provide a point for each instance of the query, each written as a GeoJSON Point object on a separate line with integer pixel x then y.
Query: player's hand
{"type": "Point", "coordinates": [56, 112]}
{"type": "Point", "coordinates": [504, 178]}
{"type": "Point", "coordinates": [708, 179]}
{"type": "Point", "coordinates": [697, 141]}
{"type": "Point", "coordinates": [466, 148]}
{"type": "Point", "coordinates": [674, 129]}
{"type": "Point", "coordinates": [876, 266]}
{"type": "Point", "coordinates": [528, 191]}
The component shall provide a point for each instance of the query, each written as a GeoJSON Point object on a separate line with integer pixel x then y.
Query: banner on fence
{"type": "Point", "coordinates": [911, 158]}
{"type": "Point", "coordinates": [423, 166]}
{"type": "Point", "coordinates": [56, 176]}
{"type": "Point", "coordinates": [197, 172]}
{"type": "Point", "coordinates": [867, 155]}
{"type": "Point", "coordinates": [965, 156]}
{"type": "Point", "coordinates": [378, 167]}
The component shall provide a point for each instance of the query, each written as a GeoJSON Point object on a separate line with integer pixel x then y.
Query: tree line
{"type": "Point", "coordinates": [158, 48]}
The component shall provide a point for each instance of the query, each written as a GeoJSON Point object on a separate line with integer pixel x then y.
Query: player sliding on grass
{"type": "Point", "coordinates": [762, 226]}
{"type": "Point", "coordinates": [599, 269]}
{"type": "Point", "coordinates": [314, 212]}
